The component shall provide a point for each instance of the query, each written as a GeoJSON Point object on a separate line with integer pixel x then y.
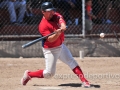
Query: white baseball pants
{"type": "Point", "coordinates": [52, 55]}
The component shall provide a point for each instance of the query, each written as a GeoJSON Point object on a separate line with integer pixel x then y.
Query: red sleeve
{"type": "Point", "coordinates": [60, 18]}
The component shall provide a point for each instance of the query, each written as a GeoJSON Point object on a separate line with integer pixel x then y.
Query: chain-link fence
{"type": "Point", "coordinates": [106, 12]}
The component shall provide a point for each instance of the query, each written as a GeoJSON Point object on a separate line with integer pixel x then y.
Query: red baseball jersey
{"type": "Point", "coordinates": [48, 26]}
{"type": "Point", "coordinates": [88, 9]}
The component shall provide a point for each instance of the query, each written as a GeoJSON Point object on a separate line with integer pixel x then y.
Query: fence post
{"type": "Point", "coordinates": [83, 18]}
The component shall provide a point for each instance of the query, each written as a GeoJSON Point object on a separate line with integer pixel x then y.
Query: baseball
{"type": "Point", "coordinates": [102, 35]}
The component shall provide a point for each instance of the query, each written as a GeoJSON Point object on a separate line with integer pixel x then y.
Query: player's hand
{"type": "Point", "coordinates": [58, 31]}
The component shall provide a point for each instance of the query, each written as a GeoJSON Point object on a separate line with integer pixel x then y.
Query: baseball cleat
{"type": "Point", "coordinates": [85, 84]}
{"type": "Point", "coordinates": [25, 78]}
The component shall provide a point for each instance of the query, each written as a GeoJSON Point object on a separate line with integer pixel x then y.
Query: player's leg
{"type": "Point", "coordinates": [88, 26]}
{"type": "Point", "coordinates": [68, 59]}
{"type": "Point", "coordinates": [50, 63]}
{"type": "Point", "coordinates": [51, 56]}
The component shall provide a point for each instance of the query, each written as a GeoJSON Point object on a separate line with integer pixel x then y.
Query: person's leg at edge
{"type": "Point", "coordinates": [11, 10]}
{"type": "Point", "coordinates": [22, 9]}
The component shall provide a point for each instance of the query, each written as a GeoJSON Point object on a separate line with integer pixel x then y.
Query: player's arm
{"type": "Point", "coordinates": [45, 31]}
{"type": "Point", "coordinates": [89, 13]}
{"type": "Point", "coordinates": [54, 37]}
{"type": "Point", "coordinates": [62, 23]}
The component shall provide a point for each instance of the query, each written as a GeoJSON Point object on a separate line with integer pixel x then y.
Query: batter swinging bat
{"type": "Point", "coordinates": [36, 40]}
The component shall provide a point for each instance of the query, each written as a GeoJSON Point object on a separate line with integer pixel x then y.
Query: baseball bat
{"type": "Point", "coordinates": [36, 40]}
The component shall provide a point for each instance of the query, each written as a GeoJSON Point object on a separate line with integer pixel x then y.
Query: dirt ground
{"type": "Point", "coordinates": [102, 72]}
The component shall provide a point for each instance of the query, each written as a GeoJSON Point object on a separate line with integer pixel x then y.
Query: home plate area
{"type": "Point", "coordinates": [103, 73]}
{"type": "Point", "coordinates": [50, 88]}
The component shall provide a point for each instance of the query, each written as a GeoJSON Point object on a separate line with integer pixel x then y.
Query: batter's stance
{"type": "Point", "coordinates": [53, 47]}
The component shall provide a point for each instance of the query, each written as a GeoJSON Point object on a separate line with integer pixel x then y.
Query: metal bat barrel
{"type": "Point", "coordinates": [31, 43]}
{"type": "Point", "coordinates": [36, 40]}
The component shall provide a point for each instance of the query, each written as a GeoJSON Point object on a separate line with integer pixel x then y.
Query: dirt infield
{"type": "Point", "coordinates": [102, 72]}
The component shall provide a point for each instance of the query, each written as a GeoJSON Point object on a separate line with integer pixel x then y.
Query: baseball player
{"type": "Point", "coordinates": [53, 47]}
{"type": "Point", "coordinates": [89, 16]}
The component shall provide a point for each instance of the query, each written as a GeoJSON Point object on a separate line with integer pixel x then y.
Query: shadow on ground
{"type": "Point", "coordinates": [78, 85]}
